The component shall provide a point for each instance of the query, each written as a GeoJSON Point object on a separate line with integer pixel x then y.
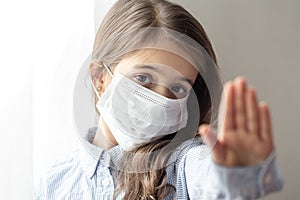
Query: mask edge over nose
{"type": "Point", "coordinates": [119, 121]}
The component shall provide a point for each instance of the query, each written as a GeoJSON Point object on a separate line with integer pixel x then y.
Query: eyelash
{"type": "Point", "coordinates": [181, 88]}
{"type": "Point", "coordinates": [143, 76]}
{"type": "Point", "coordinates": [138, 77]}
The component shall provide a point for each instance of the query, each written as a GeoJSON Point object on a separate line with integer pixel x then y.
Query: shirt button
{"type": "Point", "coordinates": [105, 182]}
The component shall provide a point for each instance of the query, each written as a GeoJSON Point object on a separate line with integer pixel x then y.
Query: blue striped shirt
{"type": "Point", "coordinates": [86, 174]}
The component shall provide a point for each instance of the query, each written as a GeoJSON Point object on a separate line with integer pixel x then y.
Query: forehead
{"type": "Point", "coordinates": [168, 63]}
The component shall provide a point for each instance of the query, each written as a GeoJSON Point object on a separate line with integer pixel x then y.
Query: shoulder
{"type": "Point", "coordinates": [192, 162]}
{"type": "Point", "coordinates": [55, 180]}
{"type": "Point", "coordinates": [191, 151]}
{"type": "Point", "coordinates": [192, 156]}
{"type": "Point", "coordinates": [64, 167]}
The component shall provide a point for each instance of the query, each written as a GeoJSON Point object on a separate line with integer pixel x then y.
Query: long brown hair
{"type": "Point", "coordinates": [126, 15]}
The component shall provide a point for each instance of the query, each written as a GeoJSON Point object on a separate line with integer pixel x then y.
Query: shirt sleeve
{"type": "Point", "coordinates": [207, 180]}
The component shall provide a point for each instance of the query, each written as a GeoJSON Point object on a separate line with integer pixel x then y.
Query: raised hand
{"type": "Point", "coordinates": [245, 132]}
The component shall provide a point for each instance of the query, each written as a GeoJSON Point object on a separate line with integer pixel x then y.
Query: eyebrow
{"type": "Point", "coordinates": [187, 80]}
{"type": "Point", "coordinates": [146, 67]}
{"type": "Point", "coordinates": [157, 70]}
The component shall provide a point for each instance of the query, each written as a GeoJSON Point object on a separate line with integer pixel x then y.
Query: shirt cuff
{"type": "Point", "coordinates": [250, 182]}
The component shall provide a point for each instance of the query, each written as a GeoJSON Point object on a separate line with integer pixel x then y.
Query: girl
{"type": "Point", "coordinates": [156, 85]}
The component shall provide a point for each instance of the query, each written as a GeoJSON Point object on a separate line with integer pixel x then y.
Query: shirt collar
{"type": "Point", "coordinates": [91, 156]}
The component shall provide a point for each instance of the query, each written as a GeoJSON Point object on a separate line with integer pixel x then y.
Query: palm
{"type": "Point", "coordinates": [245, 136]}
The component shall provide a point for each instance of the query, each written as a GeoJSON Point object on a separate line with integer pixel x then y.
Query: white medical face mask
{"type": "Point", "coordinates": [135, 114]}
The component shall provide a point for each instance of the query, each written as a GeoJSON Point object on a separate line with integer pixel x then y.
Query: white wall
{"type": "Point", "coordinates": [260, 40]}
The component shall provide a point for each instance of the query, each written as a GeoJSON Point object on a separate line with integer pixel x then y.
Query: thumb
{"type": "Point", "coordinates": [208, 135]}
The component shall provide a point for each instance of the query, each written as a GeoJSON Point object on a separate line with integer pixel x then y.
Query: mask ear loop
{"type": "Point", "coordinates": [110, 73]}
{"type": "Point", "coordinates": [108, 70]}
{"type": "Point", "coordinates": [95, 89]}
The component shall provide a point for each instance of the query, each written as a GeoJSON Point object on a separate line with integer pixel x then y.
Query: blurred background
{"type": "Point", "coordinates": [45, 43]}
{"type": "Point", "coordinates": [260, 41]}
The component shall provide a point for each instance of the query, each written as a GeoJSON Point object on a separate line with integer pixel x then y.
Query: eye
{"type": "Point", "coordinates": [178, 90]}
{"type": "Point", "coordinates": [143, 79]}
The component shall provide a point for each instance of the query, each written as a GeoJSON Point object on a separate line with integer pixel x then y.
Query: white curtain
{"type": "Point", "coordinates": [16, 74]}
{"type": "Point", "coordinates": [64, 40]}
{"type": "Point", "coordinates": [43, 45]}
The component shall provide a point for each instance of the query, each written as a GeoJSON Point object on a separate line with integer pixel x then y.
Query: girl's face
{"type": "Point", "coordinates": [160, 71]}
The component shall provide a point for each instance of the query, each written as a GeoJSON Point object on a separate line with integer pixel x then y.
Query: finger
{"type": "Point", "coordinates": [265, 122]}
{"type": "Point", "coordinates": [252, 111]}
{"type": "Point", "coordinates": [228, 94]}
{"type": "Point", "coordinates": [239, 107]}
